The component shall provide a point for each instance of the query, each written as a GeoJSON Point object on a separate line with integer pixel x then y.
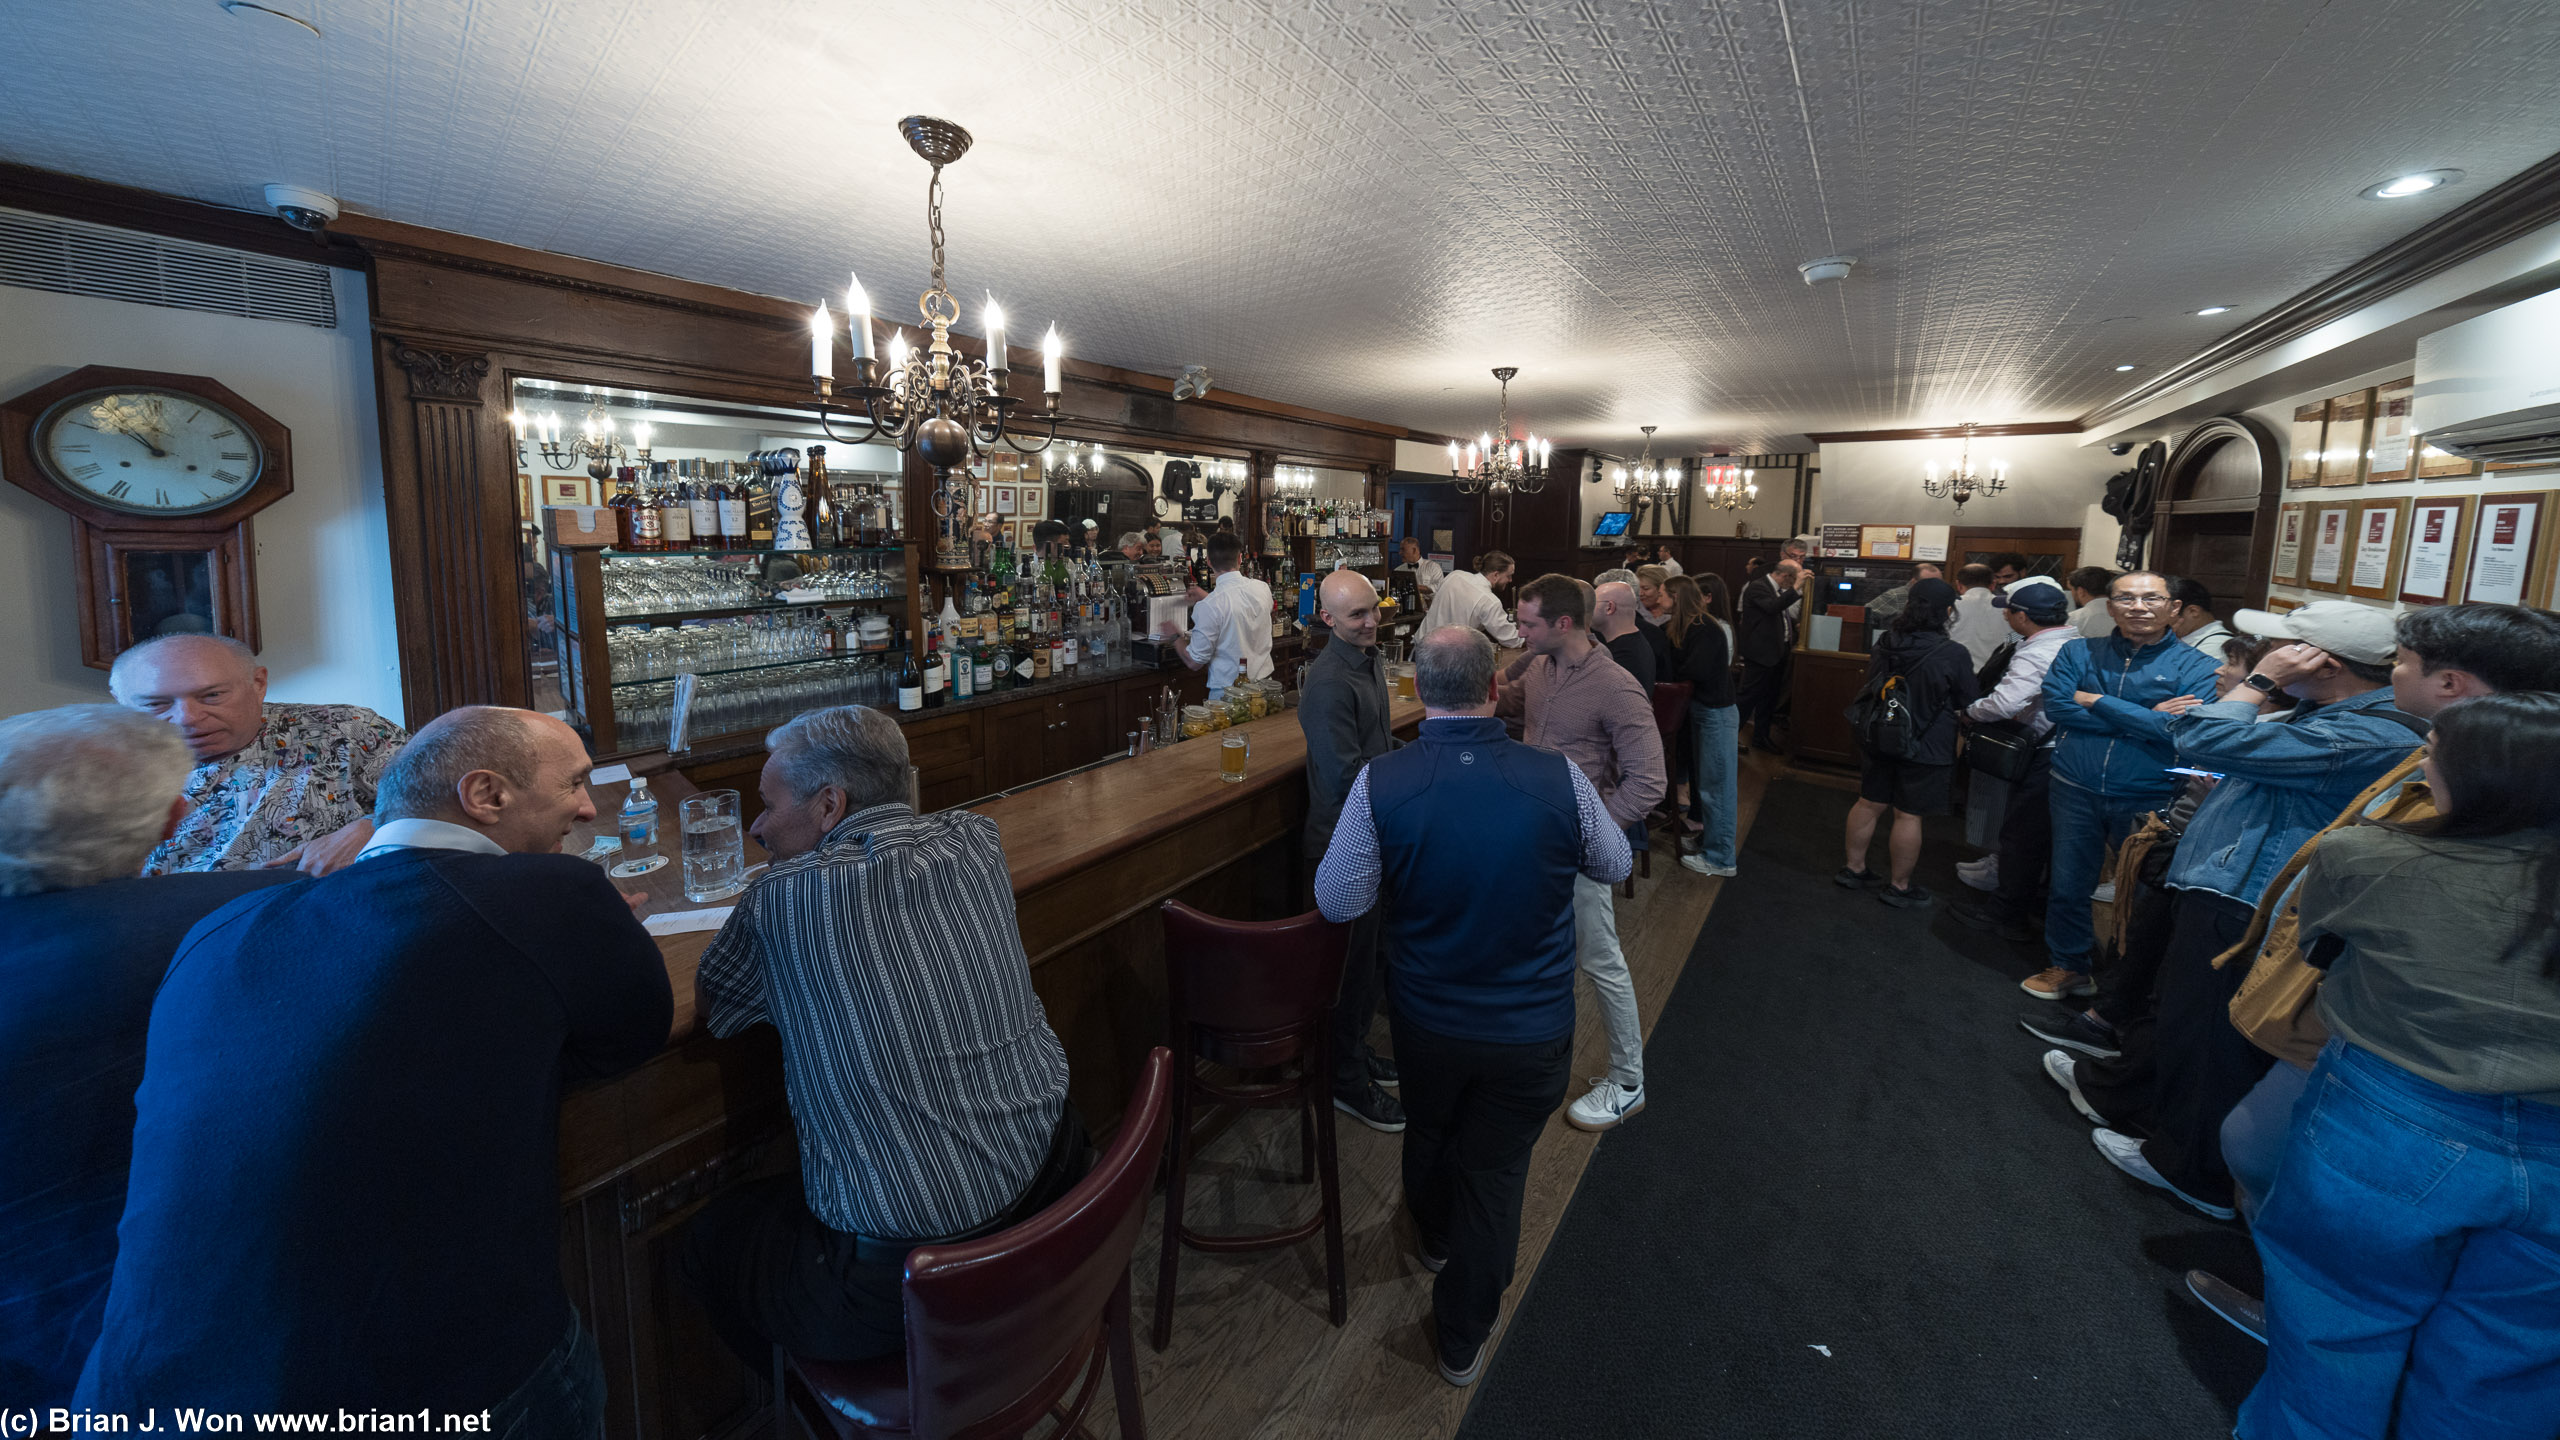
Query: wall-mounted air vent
{"type": "Point", "coordinates": [74, 257]}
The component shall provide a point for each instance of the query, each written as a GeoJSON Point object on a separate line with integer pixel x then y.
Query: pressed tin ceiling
{"type": "Point", "coordinates": [1364, 206]}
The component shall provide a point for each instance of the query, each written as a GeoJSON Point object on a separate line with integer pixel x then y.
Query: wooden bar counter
{"type": "Point", "coordinates": [1092, 854]}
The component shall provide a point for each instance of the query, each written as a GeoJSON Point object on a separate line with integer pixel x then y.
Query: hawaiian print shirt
{"type": "Point", "coordinates": [310, 772]}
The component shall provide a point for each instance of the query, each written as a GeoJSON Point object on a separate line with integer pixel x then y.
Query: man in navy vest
{"type": "Point", "coordinates": [1478, 838]}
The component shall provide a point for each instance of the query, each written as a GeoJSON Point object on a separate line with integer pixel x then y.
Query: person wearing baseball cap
{"type": "Point", "coordinates": [2282, 782]}
{"type": "Point", "coordinates": [2033, 609]}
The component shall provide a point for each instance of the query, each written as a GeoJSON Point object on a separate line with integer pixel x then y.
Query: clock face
{"type": "Point", "coordinates": [147, 451]}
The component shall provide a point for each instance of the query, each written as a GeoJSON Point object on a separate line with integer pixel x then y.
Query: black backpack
{"type": "Point", "coordinates": [1880, 716]}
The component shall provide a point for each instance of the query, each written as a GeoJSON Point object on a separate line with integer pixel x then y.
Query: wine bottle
{"type": "Point", "coordinates": [936, 678]}
{"type": "Point", "coordinates": [910, 684]}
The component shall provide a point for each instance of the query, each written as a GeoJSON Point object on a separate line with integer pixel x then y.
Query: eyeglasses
{"type": "Point", "coordinates": [2141, 602]}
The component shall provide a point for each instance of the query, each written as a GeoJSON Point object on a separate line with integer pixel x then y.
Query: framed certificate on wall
{"type": "Point", "coordinates": [2288, 568]}
{"type": "Point", "coordinates": [2388, 455]}
{"type": "Point", "coordinates": [2439, 528]}
{"type": "Point", "coordinates": [2376, 533]}
{"type": "Point", "coordinates": [2310, 432]}
{"type": "Point", "coordinates": [2342, 455]}
{"type": "Point", "coordinates": [2327, 566]}
{"type": "Point", "coordinates": [2507, 541]}
{"type": "Point", "coordinates": [2434, 464]}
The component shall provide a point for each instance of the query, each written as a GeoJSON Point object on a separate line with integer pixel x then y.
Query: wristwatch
{"type": "Point", "coordinates": [2261, 684]}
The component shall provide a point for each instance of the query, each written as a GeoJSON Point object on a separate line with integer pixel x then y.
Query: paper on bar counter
{"type": "Point", "coordinates": [608, 774]}
{"type": "Point", "coordinates": [685, 922]}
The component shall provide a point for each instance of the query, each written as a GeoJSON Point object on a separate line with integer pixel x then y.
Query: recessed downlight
{"type": "Point", "coordinates": [2215, 310]}
{"type": "Point", "coordinates": [2122, 368]}
{"type": "Point", "coordinates": [2401, 187]}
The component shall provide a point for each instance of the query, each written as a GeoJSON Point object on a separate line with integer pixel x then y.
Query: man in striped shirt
{"type": "Point", "coordinates": [926, 1086]}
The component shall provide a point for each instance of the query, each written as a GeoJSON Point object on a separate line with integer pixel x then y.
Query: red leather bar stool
{"type": "Point", "coordinates": [1000, 1327]}
{"type": "Point", "coordinates": [1252, 996]}
{"type": "Point", "coordinates": [1671, 718]}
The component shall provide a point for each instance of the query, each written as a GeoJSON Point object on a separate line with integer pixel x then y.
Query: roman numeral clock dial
{"type": "Point", "coordinates": [160, 475]}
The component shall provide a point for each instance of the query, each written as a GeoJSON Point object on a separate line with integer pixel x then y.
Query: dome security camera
{"type": "Point", "coordinates": [302, 208]}
{"type": "Point", "coordinates": [2120, 447]}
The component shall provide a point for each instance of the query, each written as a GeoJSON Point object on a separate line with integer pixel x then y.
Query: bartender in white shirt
{"type": "Point", "coordinates": [1467, 598]}
{"type": "Point", "coordinates": [1427, 574]}
{"type": "Point", "coordinates": [1230, 624]}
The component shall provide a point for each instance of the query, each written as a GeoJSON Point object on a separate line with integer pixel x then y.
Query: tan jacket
{"type": "Point", "coordinates": [2276, 1007]}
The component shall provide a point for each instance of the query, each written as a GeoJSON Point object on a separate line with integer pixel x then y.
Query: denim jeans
{"type": "Point", "coordinates": [1713, 800]}
{"type": "Point", "coordinates": [563, 1399]}
{"type": "Point", "coordinates": [2085, 823]}
{"type": "Point", "coordinates": [2254, 1134]}
{"type": "Point", "coordinates": [2412, 1248]}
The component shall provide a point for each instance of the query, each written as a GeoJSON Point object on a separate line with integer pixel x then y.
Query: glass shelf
{"type": "Point", "coordinates": [716, 612]}
{"type": "Point", "coordinates": [728, 550]}
{"type": "Point", "coordinates": [763, 665]}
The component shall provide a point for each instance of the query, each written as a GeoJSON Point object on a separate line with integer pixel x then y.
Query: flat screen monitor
{"type": "Point", "coordinates": [1612, 525]}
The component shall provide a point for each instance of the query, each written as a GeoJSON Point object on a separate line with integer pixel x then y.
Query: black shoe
{"type": "Point", "coordinates": [2076, 1031]}
{"type": "Point", "coordinates": [2246, 1312]}
{"type": "Point", "coordinates": [1464, 1373]}
{"type": "Point", "coordinates": [1909, 897]}
{"type": "Point", "coordinates": [1383, 1070]}
{"type": "Point", "coordinates": [1983, 917]}
{"type": "Point", "coordinates": [1373, 1107]}
{"type": "Point", "coordinates": [1849, 879]}
{"type": "Point", "coordinates": [1432, 1260]}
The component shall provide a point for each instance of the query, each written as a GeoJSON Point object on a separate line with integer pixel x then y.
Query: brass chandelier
{"type": "Point", "coordinates": [1964, 482]}
{"type": "Point", "coordinates": [1647, 482]}
{"type": "Point", "coordinates": [1505, 465]}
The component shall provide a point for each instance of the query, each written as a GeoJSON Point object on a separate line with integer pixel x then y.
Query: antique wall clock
{"type": "Point", "coordinates": [160, 474]}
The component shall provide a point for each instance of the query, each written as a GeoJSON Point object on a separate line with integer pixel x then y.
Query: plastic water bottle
{"type": "Point", "coordinates": [639, 830]}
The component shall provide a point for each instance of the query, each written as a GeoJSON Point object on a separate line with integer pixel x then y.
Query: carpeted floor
{"type": "Point", "coordinates": [1855, 1206]}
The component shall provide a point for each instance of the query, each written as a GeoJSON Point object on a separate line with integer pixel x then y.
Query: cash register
{"type": "Point", "coordinates": [1157, 592]}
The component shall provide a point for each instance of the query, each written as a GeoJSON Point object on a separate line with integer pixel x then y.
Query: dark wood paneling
{"type": "Point", "coordinates": [450, 502]}
{"type": "Point", "coordinates": [1819, 694]}
{"type": "Point", "coordinates": [74, 197]}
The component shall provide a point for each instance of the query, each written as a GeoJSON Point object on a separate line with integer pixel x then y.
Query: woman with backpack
{"type": "Point", "coordinates": [1905, 722]}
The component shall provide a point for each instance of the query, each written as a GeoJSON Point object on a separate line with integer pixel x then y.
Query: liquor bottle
{"type": "Point", "coordinates": [936, 678]}
{"type": "Point", "coordinates": [759, 500]}
{"type": "Point", "coordinates": [675, 508]}
{"type": "Point", "coordinates": [954, 660]}
{"type": "Point", "coordinates": [730, 489]}
{"type": "Point", "coordinates": [702, 500]}
{"type": "Point", "coordinates": [817, 506]}
{"type": "Point", "coordinates": [625, 505]}
{"type": "Point", "coordinates": [982, 668]}
{"type": "Point", "coordinates": [910, 684]}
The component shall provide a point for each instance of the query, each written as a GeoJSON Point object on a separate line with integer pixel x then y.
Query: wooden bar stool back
{"type": "Point", "coordinates": [1252, 996]}
{"type": "Point", "coordinates": [999, 1328]}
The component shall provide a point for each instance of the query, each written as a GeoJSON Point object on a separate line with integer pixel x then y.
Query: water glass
{"type": "Point", "coordinates": [715, 851]}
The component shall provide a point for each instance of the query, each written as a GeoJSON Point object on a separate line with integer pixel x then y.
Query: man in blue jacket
{"type": "Point", "coordinates": [2110, 701]}
{"type": "Point", "coordinates": [1480, 964]}
{"type": "Point", "coordinates": [2282, 781]}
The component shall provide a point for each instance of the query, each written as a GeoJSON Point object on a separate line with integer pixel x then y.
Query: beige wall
{"type": "Point", "coordinates": [2053, 481]}
{"type": "Point", "coordinates": [324, 581]}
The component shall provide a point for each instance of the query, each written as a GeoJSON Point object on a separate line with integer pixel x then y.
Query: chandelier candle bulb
{"type": "Point", "coordinates": [822, 343]}
{"type": "Point", "coordinates": [1052, 349]}
{"type": "Point", "coordinates": [996, 359]}
{"type": "Point", "coordinates": [897, 358]}
{"type": "Point", "coordinates": [857, 314]}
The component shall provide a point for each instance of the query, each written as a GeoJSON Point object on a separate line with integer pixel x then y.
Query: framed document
{"type": "Point", "coordinates": [2388, 456]}
{"type": "Point", "coordinates": [2439, 528]}
{"type": "Point", "coordinates": [2288, 569]}
{"type": "Point", "coordinates": [1004, 499]}
{"type": "Point", "coordinates": [2278, 604]}
{"type": "Point", "coordinates": [2507, 540]}
{"type": "Point", "coordinates": [2379, 529]}
{"type": "Point", "coordinates": [1035, 502]}
{"type": "Point", "coordinates": [2310, 432]}
{"type": "Point", "coordinates": [567, 490]}
{"type": "Point", "coordinates": [2434, 464]}
{"type": "Point", "coordinates": [2342, 455]}
{"type": "Point", "coordinates": [2328, 565]}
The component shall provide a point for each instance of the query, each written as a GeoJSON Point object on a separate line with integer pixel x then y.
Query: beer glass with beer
{"type": "Point", "coordinates": [1233, 752]}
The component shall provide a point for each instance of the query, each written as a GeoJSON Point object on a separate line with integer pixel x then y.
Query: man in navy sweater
{"type": "Point", "coordinates": [86, 792]}
{"type": "Point", "coordinates": [345, 1188]}
{"type": "Point", "coordinates": [1480, 963]}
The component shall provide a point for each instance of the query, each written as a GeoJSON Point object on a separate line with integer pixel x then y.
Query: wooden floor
{"type": "Point", "coordinates": [1253, 1354]}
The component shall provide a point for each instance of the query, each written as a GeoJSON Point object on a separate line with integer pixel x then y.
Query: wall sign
{"type": "Point", "coordinates": [2388, 456]}
{"type": "Point", "coordinates": [2342, 454]}
{"type": "Point", "coordinates": [2378, 530]}
{"type": "Point", "coordinates": [2310, 430]}
{"type": "Point", "coordinates": [2504, 542]}
{"type": "Point", "coordinates": [2439, 527]}
{"type": "Point", "coordinates": [2288, 567]}
{"type": "Point", "coordinates": [2328, 547]}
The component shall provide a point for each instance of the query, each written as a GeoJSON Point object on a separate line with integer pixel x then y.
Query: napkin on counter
{"type": "Point", "coordinates": [685, 922]}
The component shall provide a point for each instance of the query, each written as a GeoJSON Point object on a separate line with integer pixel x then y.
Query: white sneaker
{"type": "Point", "coordinates": [2062, 1067]}
{"type": "Point", "coordinates": [1982, 874]}
{"type": "Point", "coordinates": [2104, 894]}
{"type": "Point", "coordinates": [2125, 1153]}
{"type": "Point", "coordinates": [1604, 1106]}
{"type": "Point", "coordinates": [1697, 862]}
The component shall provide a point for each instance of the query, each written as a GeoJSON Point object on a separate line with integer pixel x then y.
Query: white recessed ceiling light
{"type": "Point", "coordinates": [2214, 310]}
{"type": "Point", "coordinates": [2401, 187]}
{"type": "Point", "coordinates": [2122, 368]}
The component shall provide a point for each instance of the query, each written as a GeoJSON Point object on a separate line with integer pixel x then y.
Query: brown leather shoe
{"type": "Point", "coordinates": [2057, 983]}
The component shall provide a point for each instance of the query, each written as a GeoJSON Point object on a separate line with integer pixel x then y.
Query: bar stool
{"type": "Point", "coordinates": [999, 1327]}
{"type": "Point", "coordinates": [1671, 720]}
{"type": "Point", "coordinates": [1252, 995]}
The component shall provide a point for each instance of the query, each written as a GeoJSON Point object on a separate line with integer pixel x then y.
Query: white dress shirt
{"type": "Point", "coordinates": [2020, 694]}
{"type": "Point", "coordinates": [1427, 574]}
{"type": "Point", "coordinates": [1231, 631]}
{"type": "Point", "coordinates": [1977, 627]}
{"type": "Point", "coordinates": [1671, 567]}
{"type": "Point", "coordinates": [2092, 620]}
{"type": "Point", "coordinates": [428, 835]}
{"type": "Point", "coordinates": [1464, 599]}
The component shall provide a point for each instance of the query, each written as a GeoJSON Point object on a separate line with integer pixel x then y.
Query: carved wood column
{"type": "Point", "coordinates": [449, 488]}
